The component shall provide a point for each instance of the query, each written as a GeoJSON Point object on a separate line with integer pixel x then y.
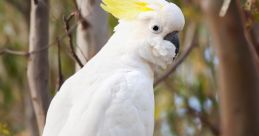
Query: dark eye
{"type": "Point", "coordinates": [156, 29]}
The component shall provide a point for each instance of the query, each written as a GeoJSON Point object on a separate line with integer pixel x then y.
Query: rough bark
{"type": "Point", "coordinates": [238, 78]}
{"type": "Point", "coordinates": [38, 67]}
{"type": "Point", "coordinates": [30, 118]}
{"type": "Point", "coordinates": [92, 37]}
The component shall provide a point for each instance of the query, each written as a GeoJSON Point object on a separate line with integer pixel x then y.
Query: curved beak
{"type": "Point", "coordinates": [174, 39]}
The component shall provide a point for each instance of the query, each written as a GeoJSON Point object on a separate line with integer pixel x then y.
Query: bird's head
{"type": "Point", "coordinates": [150, 26]}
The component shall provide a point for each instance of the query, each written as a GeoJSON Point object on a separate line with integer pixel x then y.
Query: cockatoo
{"type": "Point", "coordinates": [112, 95]}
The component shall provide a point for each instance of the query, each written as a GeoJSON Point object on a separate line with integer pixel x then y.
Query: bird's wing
{"type": "Point", "coordinates": [110, 107]}
{"type": "Point", "coordinates": [58, 111]}
{"type": "Point", "coordinates": [62, 104]}
{"type": "Point", "coordinates": [87, 112]}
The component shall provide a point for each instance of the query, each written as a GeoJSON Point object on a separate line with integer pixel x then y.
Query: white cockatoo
{"type": "Point", "coordinates": [112, 95]}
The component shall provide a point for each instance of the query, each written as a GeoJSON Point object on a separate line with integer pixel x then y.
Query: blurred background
{"type": "Point", "coordinates": [210, 90]}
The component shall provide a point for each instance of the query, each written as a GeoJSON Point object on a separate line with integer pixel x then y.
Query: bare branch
{"type": "Point", "coordinates": [60, 74]}
{"type": "Point", "coordinates": [189, 44]}
{"type": "Point", "coordinates": [6, 50]}
{"type": "Point", "coordinates": [13, 52]}
{"type": "Point", "coordinates": [70, 38]}
{"type": "Point", "coordinates": [21, 53]}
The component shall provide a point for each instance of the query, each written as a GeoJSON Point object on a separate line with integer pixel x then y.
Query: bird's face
{"type": "Point", "coordinates": [160, 30]}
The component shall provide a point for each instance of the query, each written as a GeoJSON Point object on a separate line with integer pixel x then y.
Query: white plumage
{"type": "Point", "coordinates": [112, 95]}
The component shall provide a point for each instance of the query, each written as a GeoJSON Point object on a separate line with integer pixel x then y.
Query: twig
{"type": "Point", "coordinates": [13, 52]}
{"type": "Point", "coordinates": [60, 74]}
{"type": "Point", "coordinates": [70, 38]}
{"type": "Point", "coordinates": [85, 24]}
{"type": "Point", "coordinates": [21, 53]}
{"type": "Point", "coordinates": [189, 44]}
{"type": "Point", "coordinates": [69, 30]}
{"type": "Point", "coordinates": [5, 50]}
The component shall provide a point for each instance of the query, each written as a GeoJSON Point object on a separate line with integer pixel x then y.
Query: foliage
{"type": "Point", "coordinates": [4, 130]}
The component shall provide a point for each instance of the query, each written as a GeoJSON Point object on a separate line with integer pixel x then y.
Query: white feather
{"type": "Point", "coordinates": [112, 95]}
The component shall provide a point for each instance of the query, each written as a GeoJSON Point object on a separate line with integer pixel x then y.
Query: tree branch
{"type": "Point", "coordinates": [6, 50]}
{"type": "Point", "coordinates": [70, 38]}
{"type": "Point", "coordinates": [21, 53]}
{"type": "Point", "coordinates": [13, 52]}
{"type": "Point", "coordinates": [60, 74]}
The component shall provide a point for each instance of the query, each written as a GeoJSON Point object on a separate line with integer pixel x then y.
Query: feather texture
{"type": "Point", "coordinates": [125, 9]}
{"type": "Point", "coordinates": [112, 95]}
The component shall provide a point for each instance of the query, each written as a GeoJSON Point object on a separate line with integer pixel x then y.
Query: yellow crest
{"type": "Point", "coordinates": [125, 9]}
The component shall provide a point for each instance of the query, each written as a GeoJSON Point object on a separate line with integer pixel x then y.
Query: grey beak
{"type": "Point", "coordinates": [174, 39]}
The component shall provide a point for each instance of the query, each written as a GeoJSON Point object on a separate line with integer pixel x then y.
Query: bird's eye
{"type": "Point", "coordinates": [156, 29]}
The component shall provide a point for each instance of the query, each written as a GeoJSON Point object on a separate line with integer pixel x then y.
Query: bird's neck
{"type": "Point", "coordinates": [124, 54]}
{"type": "Point", "coordinates": [135, 62]}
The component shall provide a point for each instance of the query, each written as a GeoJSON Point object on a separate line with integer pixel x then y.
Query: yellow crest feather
{"type": "Point", "coordinates": [125, 9]}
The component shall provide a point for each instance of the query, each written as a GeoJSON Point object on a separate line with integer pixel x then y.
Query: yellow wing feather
{"type": "Point", "coordinates": [125, 9]}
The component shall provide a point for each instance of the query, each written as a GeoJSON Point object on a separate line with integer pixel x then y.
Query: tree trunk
{"type": "Point", "coordinates": [91, 37]}
{"type": "Point", "coordinates": [30, 118]}
{"type": "Point", "coordinates": [238, 79]}
{"type": "Point", "coordinates": [38, 67]}
{"type": "Point", "coordinates": [23, 7]}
